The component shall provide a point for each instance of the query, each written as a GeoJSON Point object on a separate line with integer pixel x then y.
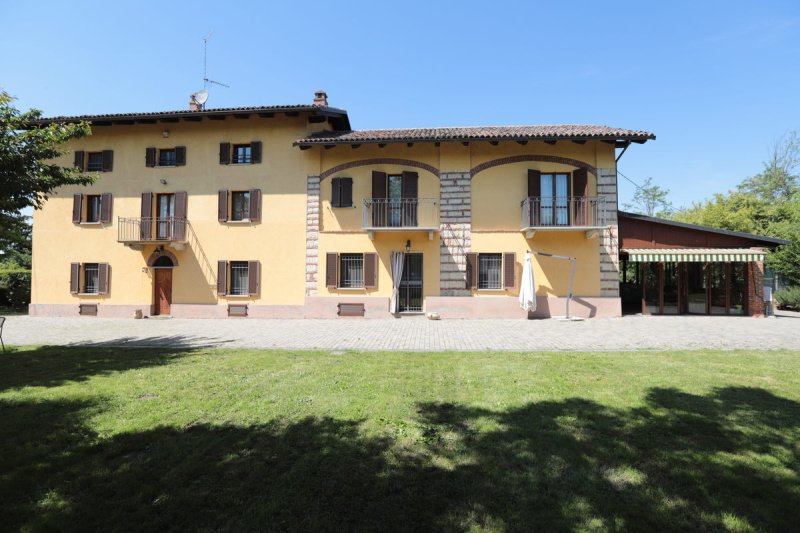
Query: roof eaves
{"type": "Point", "coordinates": [667, 222]}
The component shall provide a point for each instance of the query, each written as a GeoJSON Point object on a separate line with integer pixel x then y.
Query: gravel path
{"type": "Point", "coordinates": [416, 333]}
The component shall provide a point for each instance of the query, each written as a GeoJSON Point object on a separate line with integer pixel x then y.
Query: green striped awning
{"type": "Point", "coordinates": [694, 255]}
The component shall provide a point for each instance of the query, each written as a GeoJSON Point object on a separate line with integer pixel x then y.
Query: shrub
{"type": "Point", "coordinates": [788, 297]}
{"type": "Point", "coordinates": [15, 289]}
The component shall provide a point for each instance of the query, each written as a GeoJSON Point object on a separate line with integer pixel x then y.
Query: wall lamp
{"type": "Point", "coordinates": [163, 181]}
{"type": "Point", "coordinates": [408, 245]}
{"type": "Point", "coordinates": [165, 133]}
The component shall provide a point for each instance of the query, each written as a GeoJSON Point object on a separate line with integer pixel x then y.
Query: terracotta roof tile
{"type": "Point", "coordinates": [479, 133]}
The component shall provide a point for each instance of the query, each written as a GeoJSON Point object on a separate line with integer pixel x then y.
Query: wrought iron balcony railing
{"type": "Point", "coordinates": [406, 213]}
{"type": "Point", "coordinates": [563, 211]}
{"type": "Point", "coordinates": [151, 229]}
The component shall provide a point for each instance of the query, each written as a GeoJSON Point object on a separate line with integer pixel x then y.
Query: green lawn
{"type": "Point", "coordinates": [121, 439]}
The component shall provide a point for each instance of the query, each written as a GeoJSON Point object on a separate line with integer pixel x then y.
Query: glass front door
{"type": "Point", "coordinates": [554, 203]}
{"type": "Point", "coordinates": [166, 212]}
{"type": "Point", "coordinates": [410, 290]}
{"type": "Point", "coordinates": [395, 201]}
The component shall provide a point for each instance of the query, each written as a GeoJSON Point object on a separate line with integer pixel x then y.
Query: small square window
{"type": "Point", "coordinates": [242, 154]}
{"type": "Point", "coordinates": [490, 271]}
{"type": "Point", "coordinates": [240, 205]}
{"type": "Point", "coordinates": [351, 271]}
{"type": "Point", "coordinates": [95, 162]}
{"type": "Point", "coordinates": [167, 157]}
{"type": "Point", "coordinates": [240, 278]}
{"type": "Point", "coordinates": [91, 278]}
{"type": "Point", "coordinates": [93, 203]}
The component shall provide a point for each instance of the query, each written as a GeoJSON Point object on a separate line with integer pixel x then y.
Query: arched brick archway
{"type": "Point", "coordinates": [380, 161]}
{"type": "Point", "coordinates": [156, 255]}
{"type": "Point", "coordinates": [522, 158]}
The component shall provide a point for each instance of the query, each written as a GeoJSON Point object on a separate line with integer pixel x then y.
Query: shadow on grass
{"type": "Point", "coordinates": [726, 460]}
{"type": "Point", "coordinates": [50, 366]}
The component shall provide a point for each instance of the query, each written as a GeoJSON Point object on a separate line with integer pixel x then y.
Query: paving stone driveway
{"type": "Point", "coordinates": [417, 333]}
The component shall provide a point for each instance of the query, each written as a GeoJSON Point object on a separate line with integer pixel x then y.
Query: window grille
{"type": "Point", "coordinates": [240, 276]}
{"type": "Point", "coordinates": [351, 271]}
{"type": "Point", "coordinates": [490, 271]}
{"type": "Point", "coordinates": [91, 278]}
{"type": "Point", "coordinates": [95, 163]}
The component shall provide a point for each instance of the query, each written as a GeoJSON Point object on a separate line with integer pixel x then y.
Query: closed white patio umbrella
{"type": "Point", "coordinates": [527, 289]}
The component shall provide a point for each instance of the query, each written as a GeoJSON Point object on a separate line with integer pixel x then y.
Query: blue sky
{"type": "Point", "coordinates": [717, 82]}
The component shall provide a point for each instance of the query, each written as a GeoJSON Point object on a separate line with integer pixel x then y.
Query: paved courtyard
{"type": "Point", "coordinates": [417, 333]}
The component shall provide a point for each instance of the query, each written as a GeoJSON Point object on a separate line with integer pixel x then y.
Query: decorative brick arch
{"type": "Point", "coordinates": [521, 158]}
{"type": "Point", "coordinates": [163, 253]}
{"type": "Point", "coordinates": [380, 161]}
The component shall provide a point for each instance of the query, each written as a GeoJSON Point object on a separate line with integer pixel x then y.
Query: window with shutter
{"type": "Point", "coordinates": [240, 278]}
{"type": "Point", "coordinates": [240, 206]}
{"type": "Point", "coordinates": [74, 278]}
{"type": "Point", "coordinates": [336, 192]}
{"type": "Point", "coordinates": [93, 207]}
{"type": "Point", "coordinates": [150, 157]}
{"type": "Point", "coordinates": [167, 157]}
{"type": "Point", "coordinates": [509, 270]}
{"type": "Point", "coordinates": [146, 227]}
{"type": "Point", "coordinates": [224, 153]}
{"type": "Point", "coordinates": [94, 161]}
{"type": "Point", "coordinates": [242, 154]}
{"type": "Point", "coordinates": [106, 207]}
{"type": "Point", "coordinates": [351, 271]}
{"type": "Point", "coordinates": [255, 148]}
{"type": "Point", "coordinates": [254, 277]}
{"type": "Point", "coordinates": [180, 156]}
{"type": "Point", "coordinates": [222, 206]}
{"type": "Point", "coordinates": [103, 276]}
{"type": "Point", "coordinates": [108, 160]}
{"type": "Point", "coordinates": [255, 205]}
{"type": "Point", "coordinates": [331, 269]}
{"type": "Point", "coordinates": [490, 273]}
{"type": "Point", "coordinates": [222, 277]}
{"type": "Point", "coordinates": [179, 223]}
{"type": "Point", "coordinates": [77, 208]}
{"type": "Point", "coordinates": [370, 270]}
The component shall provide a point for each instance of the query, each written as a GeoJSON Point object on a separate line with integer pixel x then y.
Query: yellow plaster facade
{"type": "Point", "coordinates": [298, 229]}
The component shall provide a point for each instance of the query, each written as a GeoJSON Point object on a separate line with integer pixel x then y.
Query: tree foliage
{"type": "Point", "coordinates": [28, 174]}
{"type": "Point", "coordinates": [650, 200]}
{"type": "Point", "coordinates": [765, 204]}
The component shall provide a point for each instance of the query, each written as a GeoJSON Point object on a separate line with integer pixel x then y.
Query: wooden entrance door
{"type": "Point", "coordinates": [163, 291]}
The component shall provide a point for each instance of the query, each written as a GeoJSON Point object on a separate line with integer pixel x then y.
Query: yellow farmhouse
{"type": "Point", "coordinates": [285, 211]}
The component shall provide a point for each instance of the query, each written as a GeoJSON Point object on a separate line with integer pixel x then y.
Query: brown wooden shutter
{"type": "Point", "coordinates": [180, 156]}
{"type": "Point", "coordinates": [225, 153]}
{"type": "Point", "coordinates": [379, 184]}
{"type": "Point", "coordinates": [253, 277]}
{"type": "Point", "coordinates": [179, 227]}
{"type": "Point", "coordinates": [106, 203]}
{"type": "Point", "coordinates": [370, 270]}
{"type": "Point", "coordinates": [222, 206]}
{"type": "Point", "coordinates": [346, 193]}
{"type": "Point", "coordinates": [147, 211]}
{"type": "Point", "coordinates": [77, 208]}
{"type": "Point", "coordinates": [222, 277]}
{"type": "Point", "coordinates": [150, 157]}
{"type": "Point", "coordinates": [78, 163]}
{"type": "Point", "coordinates": [534, 183]}
{"type": "Point", "coordinates": [255, 152]}
{"type": "Point", "coordinates": [74, 278]}
{"type": "Point", "coordinates": [331, 269]}
{"type": "Point", "coordinates": [103, 273]}
{"type": "Point", "coordinates": [410, 185]}
{"type": "Point", "coordinates": [580, 189]}
{"type": "Point", "coordinates": [255, 205]}
{"type": "Point", "coordinates": [472, 270]}
{"type": "Point", "coordinates": [409, 192]}
{"type": "Point", "coordinates": [509, 270]}
{"type": "Point", "coordinates": [336, 192]}
{"type": "Point", "coordinates": [108, 160]}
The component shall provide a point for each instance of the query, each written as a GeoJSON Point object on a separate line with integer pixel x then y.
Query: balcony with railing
{"type": "Point", "coordinates": [139, 231]}
{"type": "Point", "coordinates": [407, 214]}
{"type": "Point", "coordinates": [540, 213]}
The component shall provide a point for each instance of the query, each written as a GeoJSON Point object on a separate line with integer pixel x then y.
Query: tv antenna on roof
{"type": "Point", "coordinates": [207, 81]}
{"type": "Point", "coordinates": [197, 100]}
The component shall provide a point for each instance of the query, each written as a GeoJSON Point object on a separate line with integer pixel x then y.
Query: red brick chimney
{"type": "Point", "coordinates": [320, 98]}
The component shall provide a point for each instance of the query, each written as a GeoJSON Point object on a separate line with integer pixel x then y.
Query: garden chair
{"type": "Point", "coordinates": [2, 321]}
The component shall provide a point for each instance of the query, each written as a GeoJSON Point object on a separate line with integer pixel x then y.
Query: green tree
{"type": "Point", "coordinates": [766, 204]}
{"type": "Point", "coordinates": [27, 172]}
{"type": "Point", "coordinates": [27, 177]}
{"type": "Point", "coordinates": [650, 200]}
